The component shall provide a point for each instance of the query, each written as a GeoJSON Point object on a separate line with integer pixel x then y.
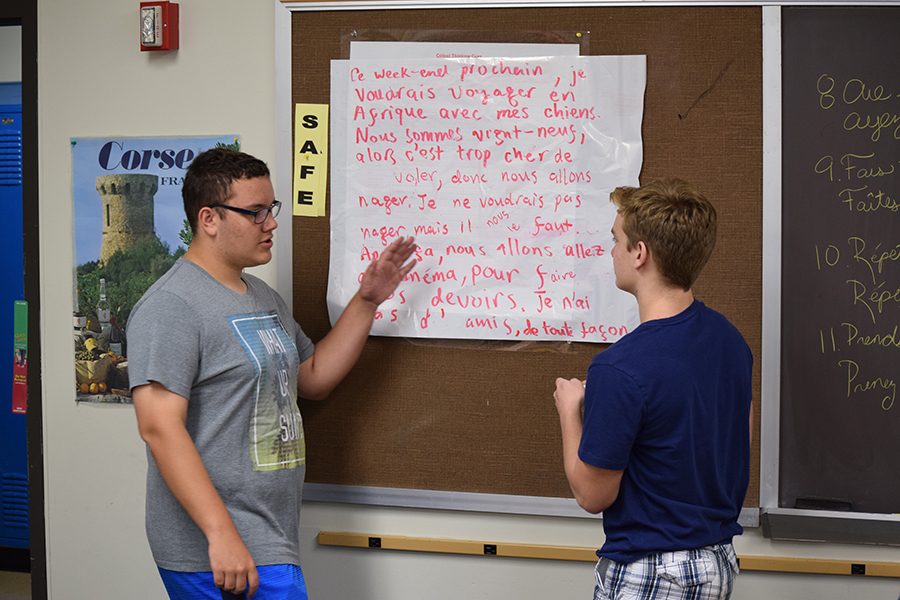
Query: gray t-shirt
{"type": "Point", "coordinates": [235, 358]}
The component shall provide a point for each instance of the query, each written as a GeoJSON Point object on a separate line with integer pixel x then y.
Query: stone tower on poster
{"type": "Point", "coordinates": [127, 211]}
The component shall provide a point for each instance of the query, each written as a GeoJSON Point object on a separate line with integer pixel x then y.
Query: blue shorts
{"type": "Point", "coordinates": [276, 582]}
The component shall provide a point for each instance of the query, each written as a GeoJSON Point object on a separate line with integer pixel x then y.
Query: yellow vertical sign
{"type": "Point", "coordinates": [310, 159]}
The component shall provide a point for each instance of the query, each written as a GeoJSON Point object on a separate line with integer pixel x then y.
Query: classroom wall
{"type": "Point", "coordinates": [93, 81]}
{"type": "Point", "coordinates": [10, 53]}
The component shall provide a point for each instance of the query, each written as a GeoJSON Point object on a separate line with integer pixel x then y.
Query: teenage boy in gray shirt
{"type": "Point", "coordinates": [216, 363]}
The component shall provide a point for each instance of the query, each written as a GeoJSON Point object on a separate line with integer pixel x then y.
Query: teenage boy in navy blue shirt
{"type": "Point", "coordinates": [657, 437]}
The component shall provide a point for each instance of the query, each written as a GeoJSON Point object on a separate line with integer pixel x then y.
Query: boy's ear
{"type": "Point", "coordinates": [642, 256]}
{"type": "Point", "coordinates": [208, 220]}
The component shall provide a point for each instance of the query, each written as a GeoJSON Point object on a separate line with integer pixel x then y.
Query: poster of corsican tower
{"type": "Point", "coordinates": [129, 229]}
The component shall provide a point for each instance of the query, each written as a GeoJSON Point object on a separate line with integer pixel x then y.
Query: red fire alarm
{"type": "Point", "coordinates": [159, 26]}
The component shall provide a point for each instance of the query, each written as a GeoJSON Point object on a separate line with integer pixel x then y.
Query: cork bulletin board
{"type": "Point", "coordinates": [478, 416]}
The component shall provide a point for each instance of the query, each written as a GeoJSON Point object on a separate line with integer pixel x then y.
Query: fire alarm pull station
{"type": "Point", "coordinates": [159, 26]}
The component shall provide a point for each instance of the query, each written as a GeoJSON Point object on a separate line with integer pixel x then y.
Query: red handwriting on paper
{"type": "Point", "coordinates": [456, 114]}
{"type": "Point", "coordinates": [488, 274]}
{"type": "Point", "coordinates": [568, 177]}
{"type": "Point", "coordinates": [574, 77]}
{"type": "Point", "coordinates": [424, 152]}
{"type": "Point", "coordinates": [496, 219]}
{"type": "Point", "coordinates": [561, 97]}
{"type": "Point", "coordinates": [367, 255]}
{"type": "Point", "coordinates": [392, 114]}
{"type": "Point", "coordinates": [553, 276]}
{"type": "Point", "coordinates": [499, 135]}
{"type": "Point", "coordinates": [387, 203]}
{"type": "Point", "coordinates": [365, 136]}
{"type": "Point", "coordinates": [372, 156]}
{"type": "Point", "coordinates": [459, 177]}
{"type": "Point", "coordinates": [509, 144]}
{"type": "Point", "coordinates": [460, 250]}
{"type": "Point", "coordinates": [488, 301]}
{"type": "Point", "coordinates": [567, 133]}
{"type": "Point", "coordinates": [563, 331]}
{"type": "Point", "coordinates": [602, 331]}
{"type": "Point", "coordinates": [473, 154]}
{"type": "Point", "coordinates": [566, 201]}
{"type": "Point", "coordinates": [391, 93]}
{"type": "Point", "coordinates": [562, 111]}
{"type": "Point", "coordinates": [429, 276]}
{"type": "Point", "coordinates": [501, 68]}
{"type": "Point", "coordinates": [514, 247]}
{"type": "Point", "coordinates": [528, 329]}
{"type": "Point", "coordinates": [561, 156]}
{"type": "Point", "coordinates": [532, 200]}
{"type": "Point", "coordinates": [568, 302]}
{"type": "Point", "coordinates": [580, 250]}
{"type": "Point", "coordinates": [412, 136]}
{"type": "Point", "coordinates": [384, 233]}
{"type": "Point", "coordinates": [573, 301]}
{"type": "Point", "coordinates": [423, 252]}
{"type": "Point", "coordinates": [541, 226]}
{"type": "Point", "coordinates": [530, 156]}
{"type": "Point", "coordinates": [512, 113]}
{"type": "Point", "coordinates": [485, 95]}
{"type": "Point", "coordinates": [391, 315]}
{"type": "Point", "coordinates": [426, 203]}
{"type": "Point", "coordinates": [408, 73]}
{"type": "Point", "coordinates": [418, 176]}
{"type": "Point", "coordinates": [484, 323]}
{"type": "Point", "coordinates": [524, 176]}
{"type": "Point", "coordinates": [433, 229]}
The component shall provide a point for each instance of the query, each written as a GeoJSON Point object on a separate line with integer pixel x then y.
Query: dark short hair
{"type": "Point", "coordinates": [677, 223]}
{"type": "Point", "coordinates": [210, 175]}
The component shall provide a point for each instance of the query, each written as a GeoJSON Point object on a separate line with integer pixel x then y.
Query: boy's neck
{"type": "Point", "coordinates": [662, 302]}
{"type": "Point", "coordinates": [219, 270]}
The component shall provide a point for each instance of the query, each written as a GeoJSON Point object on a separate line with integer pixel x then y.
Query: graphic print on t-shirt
{"type": "Point", "coordinates": [276, 428]}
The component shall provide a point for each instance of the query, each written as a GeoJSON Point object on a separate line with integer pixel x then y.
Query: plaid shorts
{"type": "Point", "coordinates": [701, 574]}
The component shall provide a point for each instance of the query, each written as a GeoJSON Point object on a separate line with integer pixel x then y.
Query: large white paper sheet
{"type": "Point", "coordinates": [501, 168]}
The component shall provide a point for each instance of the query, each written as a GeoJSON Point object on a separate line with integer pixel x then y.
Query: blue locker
{"type": "Point", "coordinates": [13, 448]}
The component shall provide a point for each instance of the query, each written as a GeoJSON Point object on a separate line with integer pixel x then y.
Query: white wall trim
{"type": "Point", "coordinates": [284, 153]}
{"type": "Point", "coordinates": [771, 257]}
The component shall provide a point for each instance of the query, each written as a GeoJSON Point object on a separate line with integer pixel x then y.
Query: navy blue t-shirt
{"type": "Point", "coordinates": [669, 404]}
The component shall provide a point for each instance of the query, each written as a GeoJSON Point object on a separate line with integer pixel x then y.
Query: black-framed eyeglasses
{"type": "Point", "coordinates": [259, 216]}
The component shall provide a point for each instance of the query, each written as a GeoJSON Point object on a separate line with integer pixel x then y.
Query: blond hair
{"type": "Point", "coordinates": [675, 221]}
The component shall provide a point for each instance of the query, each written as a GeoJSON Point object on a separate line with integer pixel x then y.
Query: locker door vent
{"type": "Point", "coordinates": [10, 157]}
{"type": "Point", "coordinates": [14, 500]}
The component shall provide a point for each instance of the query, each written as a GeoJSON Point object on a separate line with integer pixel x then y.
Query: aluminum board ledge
{"type": "Point", "coordinates": [830, 526]}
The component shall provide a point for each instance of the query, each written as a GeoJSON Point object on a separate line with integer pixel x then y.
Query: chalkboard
{"type": "Point", "coordinates": [840, 415]}
{"type": "Point", "coordinates": [478, 416]}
